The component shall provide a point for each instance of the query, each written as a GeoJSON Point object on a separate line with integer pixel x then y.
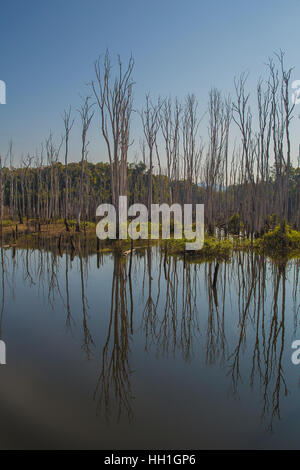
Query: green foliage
{"type": "Point", "coordinates": [72, 223]}
{"type": "Point", "coordinates": [234, 224]}
{"type": "Point", "coordinates": [212, 248]}
{"type": "Point", "coordinates": [281, 240]}
{"type": "Point", "coordinates": [7, 223]}
{"type": "Point", "coordinates": [271, 222]}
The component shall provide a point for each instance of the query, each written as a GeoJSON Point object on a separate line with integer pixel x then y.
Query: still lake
{"type": "Point", "coordinates": [155, 360]}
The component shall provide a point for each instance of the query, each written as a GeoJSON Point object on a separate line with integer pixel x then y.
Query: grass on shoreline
{"type": "Point", "coordinates": [282, 243]}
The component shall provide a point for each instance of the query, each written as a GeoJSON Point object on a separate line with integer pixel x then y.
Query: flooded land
{"type": "Point", "coordinates": [156, 357]}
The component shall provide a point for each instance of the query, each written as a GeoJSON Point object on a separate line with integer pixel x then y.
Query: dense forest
{"type": "Point", "coordinates": [249, 188]}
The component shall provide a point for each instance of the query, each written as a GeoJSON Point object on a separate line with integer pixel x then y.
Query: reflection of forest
{"type": "Point", "coordinates": [183, 306]}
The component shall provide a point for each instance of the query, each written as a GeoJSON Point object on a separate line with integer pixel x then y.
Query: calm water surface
{"type": "Point", "coordinates": [98, 359]}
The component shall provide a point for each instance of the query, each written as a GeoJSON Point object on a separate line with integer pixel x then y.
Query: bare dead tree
{"type": "Point", "coordinates": [170, 125]}
{"type": "Point", "coordinates": [191, 148]}
{"type": "Point", "coordinates": [281, 115]}
{"type": "Point", "coordinates": [263, 152]}
{"type": "Point", "coordinates": [68, 124]}
{"type": "Point", "coordinates": [86, 115]}
{"type": "Point", "coordinates": [216, 160]}
{"type": "Point", "coordinates": [242, 116]}
{"type": "Point", "coordinates": [288, 108]}
{"type": "Point", "coordinates": [151, 124]}
{"type": "Point", "coordinates": [52, 152]}
{"type": "Point", "coordinates": [114, 98]}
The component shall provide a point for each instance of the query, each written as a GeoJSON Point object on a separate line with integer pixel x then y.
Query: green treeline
{"type": "Point", "coordinates": [39, 193]}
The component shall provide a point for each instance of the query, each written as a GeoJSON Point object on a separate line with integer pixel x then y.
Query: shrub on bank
{"type": "Point", "coordinates": [212, 248]}
{"type": "Point", "coordinates": [7, 223]}
{"type": "Point", "coordinates": [280, 240]}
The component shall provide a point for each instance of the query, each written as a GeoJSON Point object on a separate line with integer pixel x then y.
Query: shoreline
{"type": "Point", "coordinates": [276, 244]}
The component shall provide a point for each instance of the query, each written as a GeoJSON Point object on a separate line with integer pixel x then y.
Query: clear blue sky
{"type": "Point", "coordinates": [48, 47]}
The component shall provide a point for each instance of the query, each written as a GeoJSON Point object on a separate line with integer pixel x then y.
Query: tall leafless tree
{"type": "Point", "coordinates": [68, 124]}
{"type": "Point", "coordinates": [151, 124]}
{"type": "Point", "coordinates": [114, 98]}
{"type": "Point", "coordinates": [86, 114]}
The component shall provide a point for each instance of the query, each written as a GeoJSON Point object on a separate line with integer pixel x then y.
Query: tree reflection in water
{"type": "Point", "coordinates": [114, 381]}
{"type": "Point", "coordinates": [234, 312]}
